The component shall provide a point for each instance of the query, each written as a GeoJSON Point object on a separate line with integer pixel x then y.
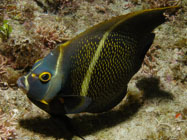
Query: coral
{"type": "Point", "coordinates": [21, 52]}
{"type": "Point", "coordinates": [20, 12]}
{"type": "Point", "coordinates": [7, 127]}
{"type": "Point", "coordinates": [49, 34]}
{"type": "Point", "coordinates": [7, 74]}
{"type": "Point", "coordinates": [17, 53]}
{"type": "Point", "coordinates": [159, 3]}
{"type": "Point", "coordinates": [58, 6]}
{"type": "Point", "coordinates": [23, 13]}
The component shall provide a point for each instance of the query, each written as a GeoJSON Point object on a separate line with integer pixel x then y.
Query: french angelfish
{"type": "Point", "coordinates": [90, 72]}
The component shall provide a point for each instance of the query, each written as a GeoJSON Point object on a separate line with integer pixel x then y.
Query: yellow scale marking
{"type": "Point", "coordinates": [87, 78]}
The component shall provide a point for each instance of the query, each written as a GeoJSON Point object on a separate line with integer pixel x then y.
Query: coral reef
{"type": "Point", "coordinates": [159, 112]}
{"type": "Point", "coordinates": [58, 6]}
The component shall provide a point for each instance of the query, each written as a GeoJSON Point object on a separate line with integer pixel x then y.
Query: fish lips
{"type": "Point", "coordinates": [21, 84]}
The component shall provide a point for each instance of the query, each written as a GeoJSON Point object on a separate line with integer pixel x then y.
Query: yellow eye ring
{"type": "Point", "coordinates": [45, 76]}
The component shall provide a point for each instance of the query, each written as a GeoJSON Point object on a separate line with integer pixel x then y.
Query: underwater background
{"type": "Point", "coordinates": [156, 108]}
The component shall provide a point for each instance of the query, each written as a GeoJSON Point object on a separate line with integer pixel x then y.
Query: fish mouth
{"type": "Point", "coordinates": [21, 84]}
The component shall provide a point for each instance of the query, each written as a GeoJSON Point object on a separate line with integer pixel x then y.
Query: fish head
{"type": "Point", "coordinates": [44, 81]}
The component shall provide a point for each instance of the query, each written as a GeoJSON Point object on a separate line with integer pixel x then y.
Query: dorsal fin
{"type": "Point", "coordinates": [143, 20]}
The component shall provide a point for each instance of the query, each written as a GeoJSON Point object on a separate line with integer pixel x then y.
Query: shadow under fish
{"type": "Point", "coordinates": [87, 124]}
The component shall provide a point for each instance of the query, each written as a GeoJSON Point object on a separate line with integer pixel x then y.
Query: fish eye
{"type": "Point", "coordinates": [45, 76]}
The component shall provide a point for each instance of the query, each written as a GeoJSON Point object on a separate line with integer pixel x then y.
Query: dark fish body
{"type": "Point", "coordinates": [90, 73]}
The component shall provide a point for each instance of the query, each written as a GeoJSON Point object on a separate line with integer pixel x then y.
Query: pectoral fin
{"type": "Point", "coordinates": [75, 104]}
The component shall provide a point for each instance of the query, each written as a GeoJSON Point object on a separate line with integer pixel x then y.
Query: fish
{"type": "Point", "coordinates": [90, 72]}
